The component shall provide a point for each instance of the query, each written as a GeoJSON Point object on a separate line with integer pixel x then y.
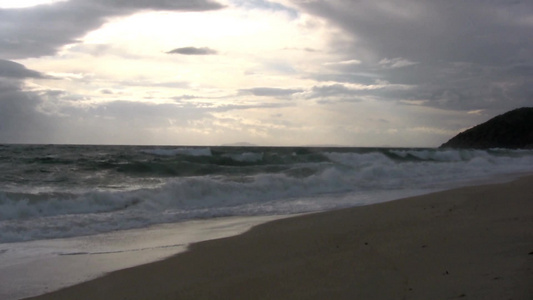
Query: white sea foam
{"type": "Point", "coordinates": [447, 155]}
{"type": "Point", "coordinates": [33, 268]}
{"type": "Point", "coordinates": [348, 178]}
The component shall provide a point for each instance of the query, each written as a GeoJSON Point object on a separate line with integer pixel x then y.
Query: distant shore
{"type": "Point", "coordinates": [471, 243]}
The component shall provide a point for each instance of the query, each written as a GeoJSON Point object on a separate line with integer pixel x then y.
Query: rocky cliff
{"type": "Point", "coordinates": [513, 129]}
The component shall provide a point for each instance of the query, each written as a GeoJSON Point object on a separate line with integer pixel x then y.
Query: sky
{"type": "Point", "coordinates": [365, 73]}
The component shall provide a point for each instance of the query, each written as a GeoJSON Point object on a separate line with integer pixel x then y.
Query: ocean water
{"type": "Point", "coordinates": [60, 191]}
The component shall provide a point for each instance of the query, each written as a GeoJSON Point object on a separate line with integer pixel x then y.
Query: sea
{"type": "Point", "coordinates": [59, 203]}
{"type": "Point", "coordinates": [58, 191]}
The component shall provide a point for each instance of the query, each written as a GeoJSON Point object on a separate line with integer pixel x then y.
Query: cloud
{"type": "Point", "coordinates": [42, 30]}
{"type": "Point", "coordinates": [270, 92]}
{"type": "Point", "coordinates": [355, 92]}
{"type": "Point", "coordinates": [329, 91]}
{"type": "Point", "coordinates": [21, 119]}
{"type": "Point", "coordinates": [477, 31]}
{"type": "Point", "coordinates": [106, 92]}
{"type": "Point", "coordinates": [10, 69]}
{"type": "Point", "coordinates": [471, 56]}
{"type": "Point", "coordinates": [53, 117]}
{"type": "Point", "coordinates": [57, 116]}
{"type": "Point", "coordinates": [397, 62]}
{"type": "Point", "coordinates": [266, 5]}
{"type": "Point", "coordinates": [179, 5]}
{"type": "Point", "coordinates": [193, 51]}
{"type": "Point", "coordinates": [416, 63]}
{"type": "Point", "coordinates": [345, 62]}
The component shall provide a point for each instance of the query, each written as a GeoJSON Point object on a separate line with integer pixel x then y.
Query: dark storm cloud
{"type": "Point", "coordinates": [270, 92]}
{"type": "Point", "coordinates": [465, 86]}
{"type": "Point", "coordinates": [459, 55]}
{"type": "Point", "coordinates": [193, 51]}
{"type": "Point", "coordinates": [9, 69]}
{"type": "Point", "coordinates": [474, 31]}
{"type": "Point", "coordinates": [42, 30]}
{"type": "Point", "coordinates": [20, 118]}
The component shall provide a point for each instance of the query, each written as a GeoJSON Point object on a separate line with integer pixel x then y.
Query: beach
{"type": "Point", "coordinates": [472, 243]}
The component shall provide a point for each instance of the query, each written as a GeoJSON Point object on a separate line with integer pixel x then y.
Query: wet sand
{"type": "Point", "coordinates": [467, 243]}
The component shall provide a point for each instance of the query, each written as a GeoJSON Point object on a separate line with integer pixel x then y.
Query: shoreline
{"type": "Point", "coordinates": [473, 242]}
{"type": "Point", "coordinates": [37, 267]}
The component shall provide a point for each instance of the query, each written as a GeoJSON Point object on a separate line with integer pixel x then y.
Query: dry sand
{"type": "Point", "coordinates": [470, 243]}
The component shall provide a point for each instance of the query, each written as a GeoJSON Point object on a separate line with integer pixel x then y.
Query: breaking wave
{"type": "Point", "coordinates": [233, 183]}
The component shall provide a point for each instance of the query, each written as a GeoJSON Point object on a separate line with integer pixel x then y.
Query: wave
{"type": "Point", "coordinates": [246, 156]}
{"type": "Point", "coordinates": [264, 183]}
{"type": "Point", "coordinates": [451, 155]}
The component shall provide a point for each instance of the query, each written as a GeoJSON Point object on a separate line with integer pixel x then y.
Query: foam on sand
{"type": "Point", "coordinates": [36, 267]}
